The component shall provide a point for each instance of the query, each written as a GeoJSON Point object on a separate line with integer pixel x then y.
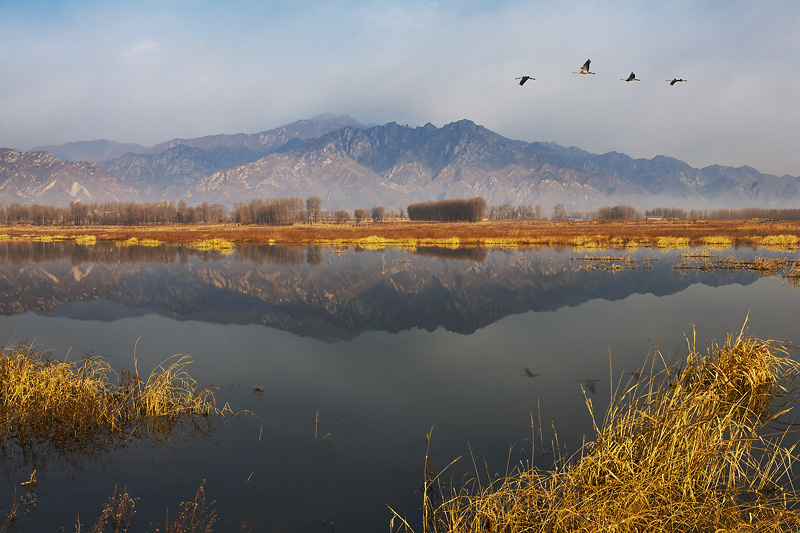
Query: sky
{"type": "Point", "coordinates": [150, 71]}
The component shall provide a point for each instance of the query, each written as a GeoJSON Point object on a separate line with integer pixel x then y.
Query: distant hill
{"type": "Point", "coordinates": [38, 177]}
{"type": "Point", "coordinates": [350, 165]}
{"type": "Point", "coordinates": [91, 151]}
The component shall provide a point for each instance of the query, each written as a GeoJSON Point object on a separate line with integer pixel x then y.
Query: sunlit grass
{"type": "Point", "coordinates": [779, 241]}
{"type": "Point", "coordinates": [83, 405]}
{"type": "Point", "coordinates": [672, 242]}
{"type": "Point", "coordinates": [86, 239]}
{"type": "Point", "coordinates": [717, 241]}
{"type": "Point", "coordinates": [135, 241]}
{"type": "Point", "coordinates": [221, 245]}
{"type": "Point", "coordinates": [691, 447]}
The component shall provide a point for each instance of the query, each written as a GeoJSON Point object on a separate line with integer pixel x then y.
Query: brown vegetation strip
{"type": "Point", "coordinates": [774, 234]}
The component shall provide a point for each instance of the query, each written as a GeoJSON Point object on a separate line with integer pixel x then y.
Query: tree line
{"type": "Point", "coordinates": [280, 211]}
{"type": "Point", "coordinates": [113, 213]}
{"type": "Point", "coordinates": [471, 210]}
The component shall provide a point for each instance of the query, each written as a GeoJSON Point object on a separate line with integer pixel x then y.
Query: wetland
{"type": "Point", "coordinates": [333, 362]}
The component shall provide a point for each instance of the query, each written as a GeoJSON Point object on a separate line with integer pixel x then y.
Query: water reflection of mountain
{"type": "Point", "coordinates": [315, 291]}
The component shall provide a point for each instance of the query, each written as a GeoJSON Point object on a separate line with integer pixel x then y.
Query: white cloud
{"type": "Point", "coordinates": [141, 49]}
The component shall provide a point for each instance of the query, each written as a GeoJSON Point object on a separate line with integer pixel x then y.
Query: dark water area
{"type": "Point", "coordinates": [367, 350]}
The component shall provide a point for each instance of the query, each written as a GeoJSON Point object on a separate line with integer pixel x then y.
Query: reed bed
{"type": "Point", "coordinates": [779, 241]}
{"type": "Point", "coordinates": [610, 262]}
{"type": "Point", "coordinates": [696, 447]}
{"type": "Point", "coordinates": [217, 243]}
{"type": "Point", "coordinates": [507, 234]}
{"type": "Point", "coordinates": [83, 406]}
{"type": "Point", "coordinates": [794, 270]}
{"type": "Point", "coordinates": [704, 260]}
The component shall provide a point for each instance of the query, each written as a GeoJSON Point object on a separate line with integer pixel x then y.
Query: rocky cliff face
{"type": "Point", "coordinates": [349, 165]}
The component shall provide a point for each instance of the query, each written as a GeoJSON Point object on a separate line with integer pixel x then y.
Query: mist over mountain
{"type": "Point", "coordinates": [350, 165]}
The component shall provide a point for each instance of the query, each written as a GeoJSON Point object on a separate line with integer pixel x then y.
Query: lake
{"type": "Point", "coordinates": [339, 362]}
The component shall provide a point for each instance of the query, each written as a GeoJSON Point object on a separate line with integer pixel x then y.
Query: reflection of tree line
{"type": "Point", "coordinates": [466, 254]}
{"type": "Point", "coordinates": [270, 255]}
{"type": "Point", "coordinates": [39, 252]}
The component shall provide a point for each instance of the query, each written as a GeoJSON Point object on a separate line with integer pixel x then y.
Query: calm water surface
{"type": "Point", "coordinates": [366, 349]}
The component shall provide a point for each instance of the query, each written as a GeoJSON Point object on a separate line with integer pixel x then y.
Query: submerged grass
{"type": "Point", "coordinates": [83, 406]}
{"type": "Point", "coordinates": [704, 260]}
{"type": "Point", "coordinates": [195, 516]}
{"type": "Point", "coordinates": [692, 448]}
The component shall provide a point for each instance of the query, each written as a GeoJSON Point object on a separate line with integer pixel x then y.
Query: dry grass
{"type": "Point", "coordinates": [794, 270]}
{"type": "Point", "coordinates": [86, 239]}
{"type": "Point", "coordinates": [135, 241]}
{"type": "Point", "coordinates": [704, 260]}
{"type": "Point", "coordinates": [609, 262]}
{"type": "Point", "coordinates": [506, 234]}
{"type": "Point", "coordinates": [219, 244]}
{"type": "Point", "coordinates": [194, 516]}
{"type": "Point", "coordinates": [693, 448]}
{"type": "Point", "coordinates": [779, 241]}
{"type": "Point", "coordinates": [50, 405]}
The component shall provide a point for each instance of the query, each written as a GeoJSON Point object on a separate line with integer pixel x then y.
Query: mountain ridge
{"type": "Point", "coordinates": [349, 165]}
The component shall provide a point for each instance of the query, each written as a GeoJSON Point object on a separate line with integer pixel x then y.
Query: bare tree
{"type": "Point", "coordinates": [559, 212]}
{"type": "Point", "coordinates": [360, 214]}
{"type": "Point", "coordinates": [341, 216]}
{"type": "Point", "coordinates": [378, 213]}
{"type": "Point", "coordinates": [313, 206]}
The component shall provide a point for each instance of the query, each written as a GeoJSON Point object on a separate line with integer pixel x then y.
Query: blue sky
{"type": "Point", "coordinates": [147, 72]}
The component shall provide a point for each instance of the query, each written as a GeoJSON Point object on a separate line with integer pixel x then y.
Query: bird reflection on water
{"type": "Point", "coordinates": [590, 384]}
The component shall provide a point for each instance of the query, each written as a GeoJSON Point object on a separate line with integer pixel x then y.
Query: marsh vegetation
{"type": "Point", "coordinates": [590, 234]}
{"type": "Point", "coordinates": [53, 406]}
{"type": "Point", "coordinates": [704, 444]}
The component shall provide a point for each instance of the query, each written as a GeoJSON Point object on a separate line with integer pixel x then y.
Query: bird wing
{"type": "Point", "coordinates": [586, 65]}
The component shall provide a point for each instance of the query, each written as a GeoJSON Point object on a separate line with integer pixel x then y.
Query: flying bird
{"type": "Point", "coordinates": [523, 79]}
{"type": "Point", "coordinates": [673, 81]}
{"type": "Point", "coordinates": [585, 68]}
{"type": "Point", "coordinates": [632, 77]}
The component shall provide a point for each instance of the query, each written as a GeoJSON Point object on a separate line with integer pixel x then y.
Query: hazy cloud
{"type": "Point", "coordinates": [142, 48]}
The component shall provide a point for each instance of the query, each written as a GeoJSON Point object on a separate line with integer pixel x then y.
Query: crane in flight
{"type": "Point", "coordinates": [523, 79]}
{"type": "Point", "coordinates": [632, 77]}
{"type": "Point", "coordinates": [585, 68]}
{"type": "Point", "coordinates": [673, 81]}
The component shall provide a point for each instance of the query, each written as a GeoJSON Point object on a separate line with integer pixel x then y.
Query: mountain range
{"type": "Point", "coordinates": [349, 164]}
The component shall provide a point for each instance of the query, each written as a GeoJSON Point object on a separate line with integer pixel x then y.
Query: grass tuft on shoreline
{"type": "Point", "coordinates": [696, 447]}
